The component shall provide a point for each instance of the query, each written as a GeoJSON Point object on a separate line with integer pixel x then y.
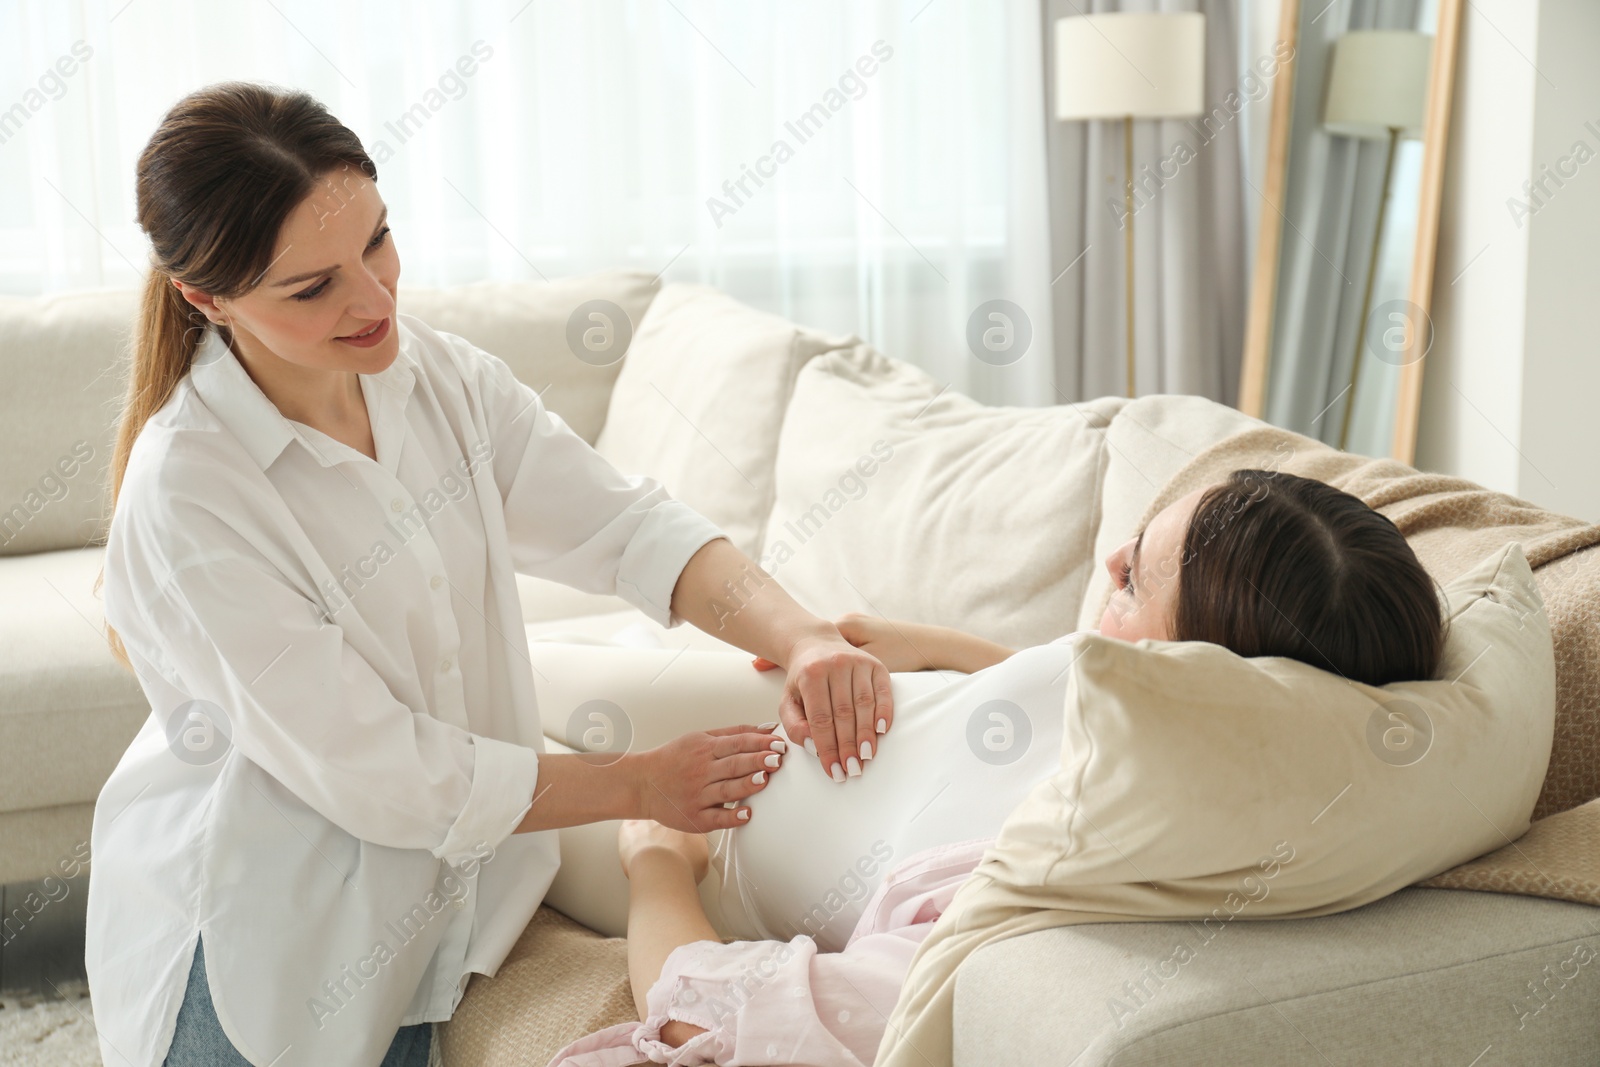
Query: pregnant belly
{"type": "Point", "coordinates": [963, 752]}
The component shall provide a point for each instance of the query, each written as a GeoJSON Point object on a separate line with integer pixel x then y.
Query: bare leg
{"type": "Point", "coordinates": [663, 867]}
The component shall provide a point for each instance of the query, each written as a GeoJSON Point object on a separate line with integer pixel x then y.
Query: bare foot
{"type": "Point", "coordinates": [636, 837]}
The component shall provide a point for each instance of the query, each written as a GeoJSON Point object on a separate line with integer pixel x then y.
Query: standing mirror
{"type": "Point", "coordinates": [1338, 326]}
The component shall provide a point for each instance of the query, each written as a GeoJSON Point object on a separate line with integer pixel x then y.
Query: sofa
{"type": "Point", "coordinates": [862, 485]}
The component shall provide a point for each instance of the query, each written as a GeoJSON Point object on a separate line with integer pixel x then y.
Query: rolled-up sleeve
{"type": "Point", "coordinates": [571, 516]}
{"type": "Point", "coordinates": [291, 694]}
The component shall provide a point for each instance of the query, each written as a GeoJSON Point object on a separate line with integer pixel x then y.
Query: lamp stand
{"type": "Point", "coordinates": [1127, 198]}
{"type": "Point", "coordinates": [1366, 296]}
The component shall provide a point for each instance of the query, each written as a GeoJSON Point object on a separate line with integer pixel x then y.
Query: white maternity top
{"type": "Point", "coordinates": [965, 749]}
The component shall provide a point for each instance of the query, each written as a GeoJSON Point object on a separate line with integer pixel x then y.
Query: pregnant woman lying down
{"type": "Point", "coordinates": [1265, 564]}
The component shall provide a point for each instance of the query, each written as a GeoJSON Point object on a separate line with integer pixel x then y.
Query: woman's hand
{"type": "Point", "coordinates": [846, 690]}
{"type": "Point", "coordinates": [684, 783]}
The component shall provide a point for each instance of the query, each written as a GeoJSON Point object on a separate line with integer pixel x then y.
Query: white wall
{"type": "Point", "coordinates": [1512, 380]}
{"type": "Point", "coordinates": [1561, 357]}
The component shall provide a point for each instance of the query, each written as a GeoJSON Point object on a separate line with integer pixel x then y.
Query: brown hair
{"type": "Point", "coordinates": [218, 178]}
{"type": "Point", "coordinates": [1278, 565]}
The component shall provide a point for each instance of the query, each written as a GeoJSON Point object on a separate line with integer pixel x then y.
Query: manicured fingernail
{"type": "Point", "coordinates": [854, 765]}
{"type": "Point", "coordinates": [883, 726]}
{"type": "Point", "coordinates": [767, 726]}
{"type": "Point", "coordinates": [811, 746]}
{"type": "Point", "coordinates": [758, 777]}
{"type": "Point", "coordinates": [779, 746]}
{"type": "Point", "coordinates": [773, 760]}
{"type": "Point", "coordinates": [837, 772]}
{"type": "Point", "coordinates": [743, 815]}
{"type": "Point", "coordinates": [866, 751]}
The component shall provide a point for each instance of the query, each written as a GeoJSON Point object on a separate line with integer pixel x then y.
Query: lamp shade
{"type": "Point", "coordinates": [1144, 65]}
{"type": "Point", "coordinates": [1378, 81]}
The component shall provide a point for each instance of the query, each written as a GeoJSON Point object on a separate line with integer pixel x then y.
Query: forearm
{"type": "Point", "coordinates": [572, 790]}
{"type": "Point", "coordinates": [950, 649]}
{"type": "Point", "coordinates": [726, 593]}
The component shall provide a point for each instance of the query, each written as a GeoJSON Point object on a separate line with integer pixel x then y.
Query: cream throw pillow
{"type": "Point", "coordinates": [1199, 785]}
{"type": "Point", "coordinates": [530, 325]}
{"type": "Point", "coordinates": [700, 399]}
{"type": "Point", "coordinates": [898, 496]}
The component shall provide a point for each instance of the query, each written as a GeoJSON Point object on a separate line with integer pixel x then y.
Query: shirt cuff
{"type": "Point", "coordinates": [670, 534]}
{"type": "Point", "coordinates": [504, 777]}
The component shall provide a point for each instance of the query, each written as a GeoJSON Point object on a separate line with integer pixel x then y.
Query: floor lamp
{"type": "Point", "coordinates": [1130, 66]}
{"type": "Point", "coordinates": [1377, 89]}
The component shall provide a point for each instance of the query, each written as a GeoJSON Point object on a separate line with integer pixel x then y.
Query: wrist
{"type": "Point", "coordinates": [634, 789]}
{"type": "Point", "coordinates": [820, 630]}
{"type": "Point", "coordinates": [930, 643]}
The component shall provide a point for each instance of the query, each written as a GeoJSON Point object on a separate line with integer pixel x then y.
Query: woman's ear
{"type": "Point", "coordinates": [205, 302]}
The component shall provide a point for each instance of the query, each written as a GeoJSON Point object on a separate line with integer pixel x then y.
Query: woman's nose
{"type": "Point", "coordinates": [376, 301]}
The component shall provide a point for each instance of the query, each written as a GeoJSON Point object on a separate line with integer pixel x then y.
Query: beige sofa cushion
{"type": "Point", "coordinates": [532, 326]}
{"type": "Point", "coordinates": [58, 410]}
{"type": "Point", "coordinates": [700, 400]}
{"type": "Point", "coordinates": [899, 497]}
{"type": "Point", "coordinates": [67, 709]}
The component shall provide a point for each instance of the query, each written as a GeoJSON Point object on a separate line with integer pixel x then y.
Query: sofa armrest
{"type": "Point", "coordinates": [1423, 976]}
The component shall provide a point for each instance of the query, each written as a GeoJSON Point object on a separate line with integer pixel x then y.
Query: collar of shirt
{"type": "Point", "coordinates": [241, 406]}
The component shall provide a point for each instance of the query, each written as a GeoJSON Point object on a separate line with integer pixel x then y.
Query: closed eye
{"type": "Point", "coordinates": [1127, 578]}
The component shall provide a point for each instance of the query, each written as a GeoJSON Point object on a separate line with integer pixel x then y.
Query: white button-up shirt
{"type": "Point", "coordinates": [334, 654]}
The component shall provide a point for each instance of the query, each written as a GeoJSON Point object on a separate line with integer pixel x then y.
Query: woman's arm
{"type": "Point", "coordinates": [954, 650]}
{"type": "Point", "coordinates": [682, 784]}
{"type": "Point", "coordinates": [915, 646]}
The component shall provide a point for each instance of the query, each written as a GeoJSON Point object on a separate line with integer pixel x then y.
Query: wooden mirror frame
{"type": "Point", "coordinates": [1264, 274]}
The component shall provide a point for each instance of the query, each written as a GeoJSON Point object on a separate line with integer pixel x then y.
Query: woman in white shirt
{"type": "Point", "coordinates": [319, 508]}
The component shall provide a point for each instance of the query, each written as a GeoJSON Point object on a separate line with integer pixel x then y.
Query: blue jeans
{"type": "Point", "coordinates": [200, 1042]}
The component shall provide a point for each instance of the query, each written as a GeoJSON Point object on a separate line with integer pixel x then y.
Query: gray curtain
{"type": "Point", "coordinates": [1189, 232]}
{"type": "Point", "coordinates": [1331, 212]}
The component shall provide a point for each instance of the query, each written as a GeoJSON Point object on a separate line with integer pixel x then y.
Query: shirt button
{"type": "Point", "coordinates": [397, 504]}
{"type": "Point", "coordinates": [444, 664]}
{"type": "Point", "coordinates": [436, 581]}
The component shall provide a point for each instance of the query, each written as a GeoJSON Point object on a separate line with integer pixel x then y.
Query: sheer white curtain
{"type": "Point", "coordinates": [869, 167]}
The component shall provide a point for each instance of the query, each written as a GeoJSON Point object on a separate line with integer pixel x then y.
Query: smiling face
{"type": "Point", "coordinates": [1145, 573]}
{"type": "Point", "coordinates": [333, 275]}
